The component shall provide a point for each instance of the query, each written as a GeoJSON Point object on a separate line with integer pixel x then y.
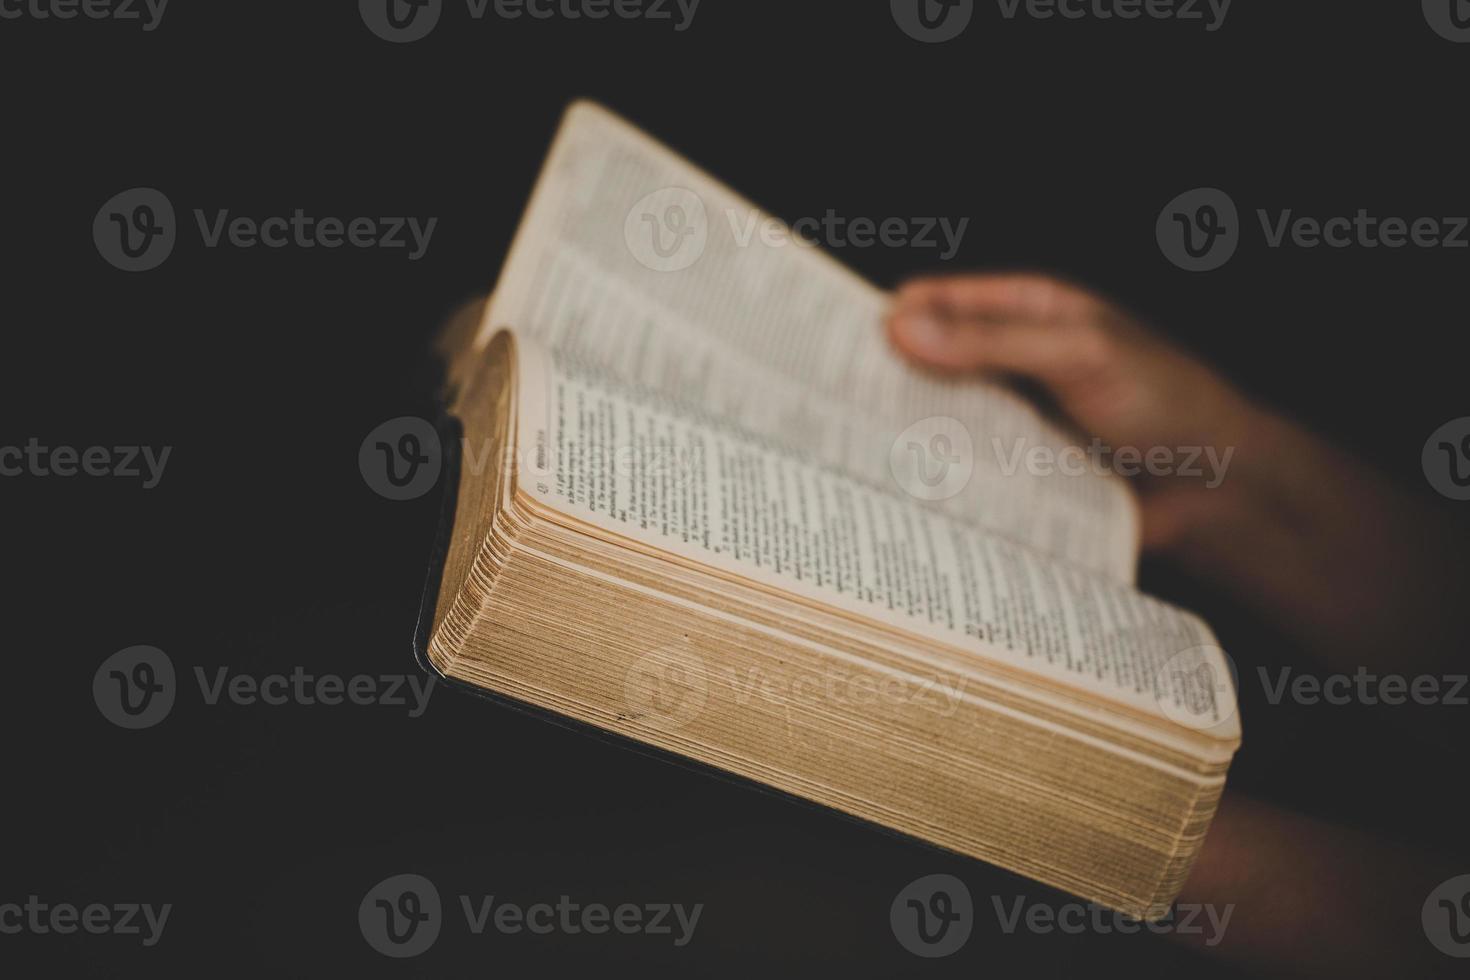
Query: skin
{"type": "Point", "coordinates": [1359, 572]}
{"type": "Point", "coordinates": [1304, 533]}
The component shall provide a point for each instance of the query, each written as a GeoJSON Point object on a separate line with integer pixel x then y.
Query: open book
{"type": "Point", "coordinates": [703, 505]}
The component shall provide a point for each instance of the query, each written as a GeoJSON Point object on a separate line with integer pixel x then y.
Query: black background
{"type": "Point", "coordinates": [262, 549]}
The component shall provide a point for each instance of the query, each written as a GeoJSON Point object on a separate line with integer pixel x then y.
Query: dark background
{"type": "Point", "coordinates": [262, 549]}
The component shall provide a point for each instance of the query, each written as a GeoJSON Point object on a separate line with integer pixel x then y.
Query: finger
{"type": "Point", "coordinates": [1169, 514]}
{"type": "Point", "coordinates": [1054, 353]}
{"type": "Point", "coordinates": [1016, 295]}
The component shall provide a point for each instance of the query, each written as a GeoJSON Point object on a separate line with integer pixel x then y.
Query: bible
{"type": "Point", "coordinates": [700, 504]}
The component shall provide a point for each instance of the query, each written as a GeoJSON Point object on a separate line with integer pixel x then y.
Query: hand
{"type": "Point", "coordinates": [1110, 375]}
{"type": "Point", "coordinates": [1348, 563]}
{"type": "Point", "coordinates": [1360, 571]}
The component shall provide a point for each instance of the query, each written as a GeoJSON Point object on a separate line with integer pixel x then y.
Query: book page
{"type": "Point", "coordinates": [639, 465]}
{"type": "Point", "coordinates": [631, 259]}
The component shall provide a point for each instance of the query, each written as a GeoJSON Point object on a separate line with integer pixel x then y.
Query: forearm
{"type": "Point", "coordinates": [1309, 898]}
{"type": "Point", "coordinates": [1356, 568]}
